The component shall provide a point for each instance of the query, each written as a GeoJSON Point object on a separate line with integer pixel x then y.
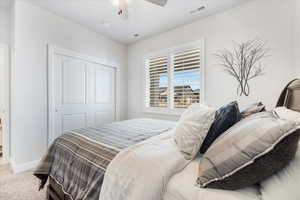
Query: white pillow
{"type": "Point", "coordinates": [285, 113]}
{"type": "Point", "coordinates": [192, 129]}
{"type": "Point", "coordinates": [285, 184]}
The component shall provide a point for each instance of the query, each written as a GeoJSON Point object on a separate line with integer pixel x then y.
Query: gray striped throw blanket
{"type": "Point", "coordinates": [78, 159]}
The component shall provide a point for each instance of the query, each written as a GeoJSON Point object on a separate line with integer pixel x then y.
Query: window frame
{"type": "Point", "coordinates": [169, 53]}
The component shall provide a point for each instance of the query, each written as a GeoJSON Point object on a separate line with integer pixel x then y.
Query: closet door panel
{"type": "Point", "coordinates": [104, 99]}
{"type": "Point", "coordinates": [74, 74]}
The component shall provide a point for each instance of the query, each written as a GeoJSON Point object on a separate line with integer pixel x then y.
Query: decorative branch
{"type": "Point", "coordinates": [244, 62]}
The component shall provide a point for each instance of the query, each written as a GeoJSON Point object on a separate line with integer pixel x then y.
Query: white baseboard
{"type": "Point", "coordinates": [17, 168]}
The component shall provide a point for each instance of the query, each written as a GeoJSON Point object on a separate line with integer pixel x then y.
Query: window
{"type": "Point", "coordinates": [186, 78]}
{"type": "Point", "coordinates": [158, 77]}
{"type": "Point", "coordinates": [174, 78]}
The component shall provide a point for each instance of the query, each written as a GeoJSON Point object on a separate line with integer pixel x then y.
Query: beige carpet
{"type": "Point", "coordinates": [23, 186]}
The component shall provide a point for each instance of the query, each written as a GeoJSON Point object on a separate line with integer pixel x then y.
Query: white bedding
{"type": "Point", "coordinates": [142, 171]}
{"type": "Point", "coordinates": [182, 187]}
{"type": "Point", "coordinates": [156, 170]}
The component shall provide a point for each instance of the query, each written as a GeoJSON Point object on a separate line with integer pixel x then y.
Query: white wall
{"type": "Point", "coordinates": [34, 29]}
{"type": "Point", "coordinates": [4, 25]}
{"type": "Point", "coordinates": [269, 20]}
{"type": "Point", "coordinates": [296, 39]}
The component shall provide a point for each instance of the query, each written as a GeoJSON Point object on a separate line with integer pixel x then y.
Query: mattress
{"type": "Point", "coordinates": [182, 186]}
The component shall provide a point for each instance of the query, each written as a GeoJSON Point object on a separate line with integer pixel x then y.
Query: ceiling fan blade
{"type": "Point", "coordinates": [158, 2]}
{"type": "Point", "coordinates": [123, 9]}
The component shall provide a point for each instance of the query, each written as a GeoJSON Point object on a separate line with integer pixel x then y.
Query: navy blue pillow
{"type": "Point", "coordinates": [225, 118]}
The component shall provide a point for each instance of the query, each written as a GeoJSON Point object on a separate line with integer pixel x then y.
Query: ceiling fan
{"type": "Point", "coordinates": [123, 6]}
{"type": "Point", "coordinates": [158, 2]}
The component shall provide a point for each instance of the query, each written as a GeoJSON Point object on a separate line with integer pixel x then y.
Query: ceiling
{"type": "Point", "coordinates": [144, 19]}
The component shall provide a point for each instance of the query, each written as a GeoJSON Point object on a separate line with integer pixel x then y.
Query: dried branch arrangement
{"type": "Point", "coordinates": [244, 63]}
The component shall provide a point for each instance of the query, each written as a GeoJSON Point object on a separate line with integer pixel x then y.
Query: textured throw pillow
{"type": "Point", "coordinates": [285, 184]}
{"type": "Point", "coordinates": [192, 128]}
{"type": "Point", "coordinates": [225, 118]}
{"type": "Point", "coordinates": [252, 109]}
{"type": "Point", "coordinates": [249, 152]}
{"type": "Point", "coordinates": [285, 113]}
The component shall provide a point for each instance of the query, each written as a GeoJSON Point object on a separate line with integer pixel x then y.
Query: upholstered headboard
{"type": "Point", "coordinates": [290, 97]}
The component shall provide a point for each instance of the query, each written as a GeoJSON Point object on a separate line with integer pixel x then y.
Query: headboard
{"type": "Point", "coordinates": [290, 97]}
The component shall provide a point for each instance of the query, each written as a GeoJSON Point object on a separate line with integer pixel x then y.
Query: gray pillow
{"type": "Point", "coordinates": [252, 109]}
{"type": "Point", "coordinates": [249, 152]}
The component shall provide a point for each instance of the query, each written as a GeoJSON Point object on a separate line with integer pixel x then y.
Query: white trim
{"type": "Point", "coordinates": [175, 49]}
{"type": "Point", "coordinates": [71, 53]}
{"type": "Point", "coordinates": [52, 50]}
{"type": "Point", "coordinates": [203, 72]}
{"type": "Point", "coordinates": [169, 52]}
{"type": "Point", "coordinates": [17, 168]}
{"type": "Point", "coordinates": [5, 110]}
{"type": "Point", "coordinates": [170, 81]}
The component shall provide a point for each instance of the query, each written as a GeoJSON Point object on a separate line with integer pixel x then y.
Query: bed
{"type": "Point", "coordinates": [75, 163]}
{"type": "Point", "coordinates": [151, 158]}
{"type": "Point", "coordinates": [166, 174]}
{"type": "Point", "coordinates": [182, 185]}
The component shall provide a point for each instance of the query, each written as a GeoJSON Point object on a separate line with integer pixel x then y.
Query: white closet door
{"type": "Point", "coordinates": [83, 94]}
{"type": "Point", "coordinates": [104, 99]}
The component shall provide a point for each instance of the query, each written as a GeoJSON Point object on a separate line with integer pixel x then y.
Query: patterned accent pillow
{"type": "Point", "coordinates": [249, 152]}
{"type": "Point", "coordinates": [225, 118]}
{"type": "Point", "coordinates": [192, 128]}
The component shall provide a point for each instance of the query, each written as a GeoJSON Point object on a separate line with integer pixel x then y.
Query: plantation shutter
{"type": "Point", "coordinates": [186, 78]}
{"type": "Point", "coordinates": [157, 80]}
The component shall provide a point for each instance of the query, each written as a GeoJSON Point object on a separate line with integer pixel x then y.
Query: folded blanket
{"type": "Point", "coordinates": [142, 171]}
{"type": "Point", "coordinates": [78, 159]}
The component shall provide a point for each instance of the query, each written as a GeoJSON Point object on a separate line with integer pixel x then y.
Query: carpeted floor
{"type": "Point", "coordinates": [23, 186]}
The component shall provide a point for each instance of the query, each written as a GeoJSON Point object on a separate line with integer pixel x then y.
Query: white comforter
{"type": "Point", "coordinates": [142, 172]}
{"type": "Point", "coordinates": [182, 187]}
